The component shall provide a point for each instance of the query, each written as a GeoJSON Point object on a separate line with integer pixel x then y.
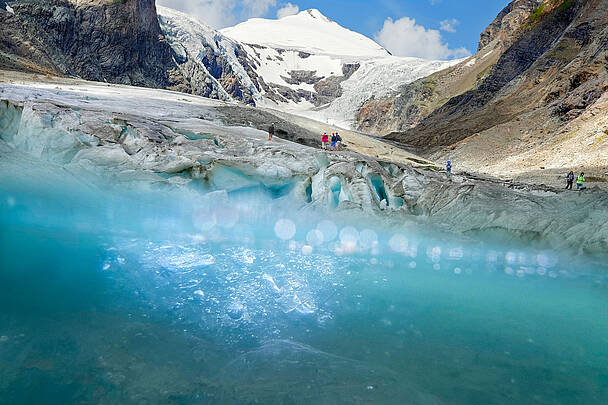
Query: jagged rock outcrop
{"type": "Point", "coordinates": [508, 22]}
{"type": "Point", "coordinates": [113, 41]}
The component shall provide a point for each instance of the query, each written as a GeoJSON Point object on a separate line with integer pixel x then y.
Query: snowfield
{"type": "Point", "coordinates": [305, 64]}
{"type": "Point", "coordinates": [308, 31]}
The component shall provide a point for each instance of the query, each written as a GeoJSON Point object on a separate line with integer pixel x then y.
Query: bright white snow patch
{"type": "Point", "coordinates": [309, 31]}
{"type": "Point", "coordinates": [9, 9]}
{"type": "Point", "coordinates": [307, 42]}
{"type": "Point", "coordinates": [375, 78]}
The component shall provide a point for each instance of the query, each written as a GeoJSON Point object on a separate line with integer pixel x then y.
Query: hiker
{"type": "Point", "coordinates": [334, 139]}
{"type": "Point", "coordinates": [448, 167]}
{"type": "Point", "coordinates": [271, 132]}
{"type": "Point", "coordinates": [579, 181]}
{"type": "Point", "coordinates": [338, 141]}
{"type": "Point", "coordinates": [570, 180]}
{"type": "Point", "coordinates": [324, 140]}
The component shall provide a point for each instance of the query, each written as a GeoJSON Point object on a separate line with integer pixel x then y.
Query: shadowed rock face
{"type": "Point", "coordinates": [413, 102]}
{"type": "Point", "coordinates": [114, 41]}
{"type": "Point", "coordinates": [558, 63]}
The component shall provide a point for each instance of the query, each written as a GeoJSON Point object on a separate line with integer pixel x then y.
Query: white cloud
{"type": "Point", "coordinates": [406, 38]}
{"type": "Point", "coordinates": [221, 13]}
{"type": "Point", "coordinates": [449, 25]}
{"type": "Point", "coordinates": [288, 9]}
{"type": "Point", "coordinates": [256, 8]}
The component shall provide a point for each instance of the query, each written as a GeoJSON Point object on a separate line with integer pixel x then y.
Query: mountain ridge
{"type": "Point", "coordinates": [309, 31]}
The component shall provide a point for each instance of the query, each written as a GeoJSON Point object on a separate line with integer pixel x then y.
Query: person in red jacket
{"type": "Point", "coordinates": [324, 140]}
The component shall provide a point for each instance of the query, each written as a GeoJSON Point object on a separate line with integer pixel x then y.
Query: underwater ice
{"type": "Point", "coordinates": [225, 270]}
{"type": "Point", "coordinates": [271, 305]}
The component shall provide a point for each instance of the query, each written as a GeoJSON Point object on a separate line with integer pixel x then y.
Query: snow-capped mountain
{"type": "Point", "coordinates": [305, 64]}
{"type": "Point", "coordinates": [308, 31]}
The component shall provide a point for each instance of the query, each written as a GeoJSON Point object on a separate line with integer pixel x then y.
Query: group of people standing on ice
{"type": "Point", "coordinates": [334, 141]}
{"type": "Point", "coordinates": [580, 181]}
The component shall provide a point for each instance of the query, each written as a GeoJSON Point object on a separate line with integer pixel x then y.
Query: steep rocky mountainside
{"type": "Point", "coordinates": [411, 103]}
{"type": "Point", "coordinates": [304, 63]}
{"type": "Point", "coordinates": [114, 41]}
{"type": "Point", "coordinates": [505, 28]}
{"type": "Point", "coordinates": [556, 68]}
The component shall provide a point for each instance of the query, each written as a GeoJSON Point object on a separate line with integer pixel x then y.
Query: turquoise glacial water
{"type": "Point", "coordinates": [111, 295]}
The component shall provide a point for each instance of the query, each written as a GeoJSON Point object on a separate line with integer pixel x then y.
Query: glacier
{"type": "Point", "coordinates": [265, 63]}
{"type": "Point", "coordinates": [153, 250]}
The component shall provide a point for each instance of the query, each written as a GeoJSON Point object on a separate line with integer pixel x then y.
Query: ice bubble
{"type": "Point", "coordinates": [529, 270]}
{"type": "Point", "coordinates": [11, 201]}
{"type": "Point", "coordinates": [293, 246]}
{"type": "Point", "coordinates": [235, 310]}
{"type": "Point", "coordinates": [456, 254]}
{"type": "Point", "coordinates": [227, 217]}
{"type": "Point", "coordinates": [413, 250]}
{"type": "Point", "coordinates": [368, 238]}
{"type": "Point", "coordinates": [200, 293]}
{"type": "Point", "coordinates": [492, 257]}
{"type": "Point", "coordinates": [509, 271]}
{"type": "Point", "coordinates": [328, 229]}
{"type": "Point", "coordinates": [412, 265]}
{"type": "Point", "coordinates": [349, 239]}
{"type": "Point", "coordinates": [206, 260]}
{"type": "Point", "coordinates": [307, 250]}
{"type": "Point", "coordinates": [285, 229]}
{"type": "Point", "coordinates": [457, 270]}
{"type": "Point", "coordinates": [398, 243]}
{"type": "Point", "coordinates": [315, 237]}
{"type": "Point", "coordinates": [436, 266]}
{"type": "Point", "coordinates": [546, 259]}
{"type": "Point", "coordinates": [511, 257]}
{"type": "Point", "coordinates": [349, 235]}
{"type": "Point", "coordinates": [349, 248]}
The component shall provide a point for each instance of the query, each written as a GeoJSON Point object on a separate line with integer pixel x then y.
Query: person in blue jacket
{"type": "Point", "coordinates": [570, 180]}
{"type": "Point", "coordinates": [448, 167]}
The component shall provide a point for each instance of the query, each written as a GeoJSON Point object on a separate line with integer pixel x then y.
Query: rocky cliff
{"type": "Point", "coordinates": [113, 41]}
{"type": "Point", "coordinates": [557, 65]}
{"type": "Point", "coordinates": [411, 103]}
{"type": "Point", "coordinates": [505, 28]}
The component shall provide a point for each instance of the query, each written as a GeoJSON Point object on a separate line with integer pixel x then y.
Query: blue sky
{"type": "Point", "coordinates": [434, 29]}
{"type": "Point", "coordinates": [368, 16]}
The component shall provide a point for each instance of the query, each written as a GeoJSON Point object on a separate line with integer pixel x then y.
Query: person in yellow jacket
{"type": "Point", "coordinates": [580, 181]}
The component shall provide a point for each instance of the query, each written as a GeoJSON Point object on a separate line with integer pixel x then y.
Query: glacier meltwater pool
{"type": "Point", "coordinates": [151, 296]}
